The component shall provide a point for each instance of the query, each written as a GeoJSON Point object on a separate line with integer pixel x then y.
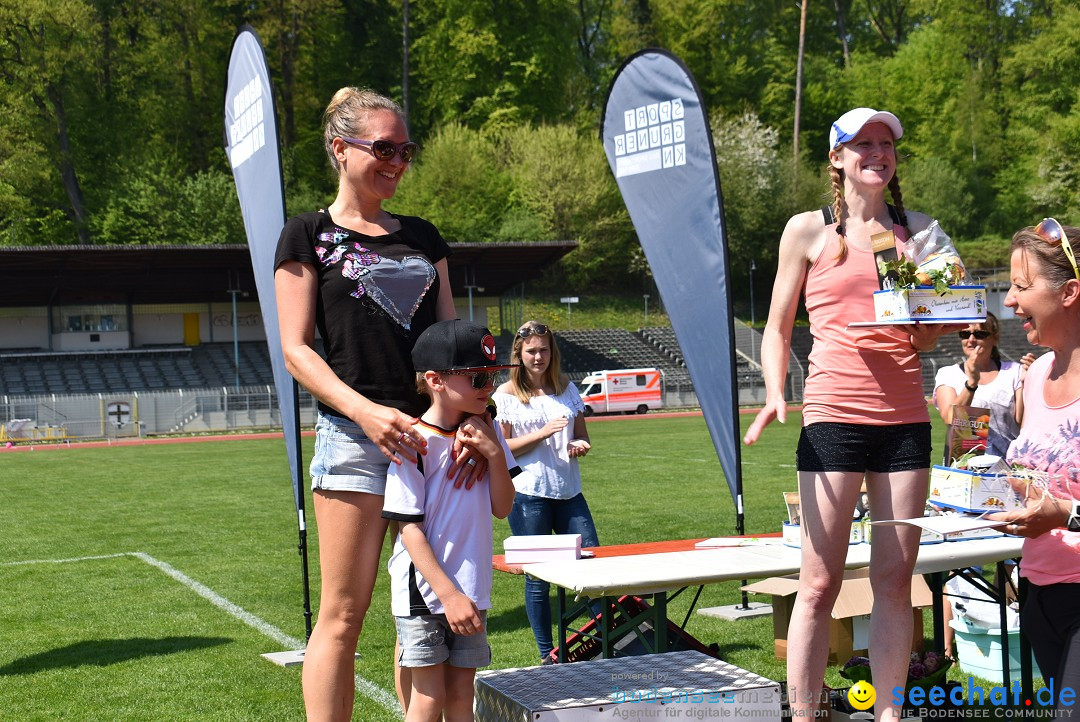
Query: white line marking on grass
{"type": "Point", "coordinates": [365, 687]}
{"type": "Point", "coordinates": [660, 458]}
{"type": "Point", "coordinates": [65, 561]}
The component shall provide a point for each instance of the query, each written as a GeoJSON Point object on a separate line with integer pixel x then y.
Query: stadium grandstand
{"type": "Point", "coordinates": [122, 340]}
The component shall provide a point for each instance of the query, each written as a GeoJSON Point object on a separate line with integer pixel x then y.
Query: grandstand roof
{"type": "Point", "coordinates": [40, 275]}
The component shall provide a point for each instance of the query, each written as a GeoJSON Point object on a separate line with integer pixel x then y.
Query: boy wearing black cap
{"type": "Point", "coordinates": [441, 565]}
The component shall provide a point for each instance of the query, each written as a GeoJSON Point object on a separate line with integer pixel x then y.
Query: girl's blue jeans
{"type": "Point", "coordinates": [537, 515]}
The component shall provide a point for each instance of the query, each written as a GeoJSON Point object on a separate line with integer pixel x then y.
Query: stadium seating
{"type": "Point", "coordinates": [212, 365]}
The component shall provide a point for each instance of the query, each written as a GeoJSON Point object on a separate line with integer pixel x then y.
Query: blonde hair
{"type": "Point", "coordinates": [1054, 265]}
{"type": "Point", "coordinates": [520, 384]}
{"type": "Point", "coordinates": [347, 114]}
{"type": "Point", "coordinates": [839, 207]}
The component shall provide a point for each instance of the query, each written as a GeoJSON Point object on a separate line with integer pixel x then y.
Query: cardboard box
{"type": "Point", "coordinates": [850, 624]}
{"type": "Point", "coordinates": [959, 303]}
{"type": "Point", "coordinates": [971, 491]}
{"type": "Point", "coordinates": [542, 548]}
{"type": "Point", "coordinates": [676, 685]}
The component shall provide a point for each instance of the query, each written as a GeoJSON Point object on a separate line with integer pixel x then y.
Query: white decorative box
{"type": "Point", "coordinates": [542, 548]}
{"type": "Point", "coordinates": [971, 491]}
{"type": "Point", "coordinates": [959, 303]}
{"type": "Point", "coordinates": [793, 534]}
{"type": "Point", "coordinates": [674, 685]}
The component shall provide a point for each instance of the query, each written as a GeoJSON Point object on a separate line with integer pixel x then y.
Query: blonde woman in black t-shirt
{"type": "Point", "coordinates": [370, 282]}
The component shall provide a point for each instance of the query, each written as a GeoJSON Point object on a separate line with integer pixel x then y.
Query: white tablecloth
{"type": "Point", "coordinates": [651, 573]}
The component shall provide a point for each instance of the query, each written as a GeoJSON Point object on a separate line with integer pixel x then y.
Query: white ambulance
{"type": "Point", "coordinates": [629, 390]}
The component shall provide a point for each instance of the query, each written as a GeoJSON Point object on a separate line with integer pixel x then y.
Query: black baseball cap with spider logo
{"type": "Point", "coordinates": [455, 346]}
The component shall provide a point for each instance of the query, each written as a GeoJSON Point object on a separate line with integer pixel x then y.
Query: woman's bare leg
{"type": "Point", "coordinates": [351, 531]}
{"type": "Point", "coordinates": [827, 503]}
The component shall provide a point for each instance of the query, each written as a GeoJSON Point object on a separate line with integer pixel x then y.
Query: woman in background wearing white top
{"type": "Point", "coordinates": [543, 420]}
{"type": "Point", "coordinates": [985, 381]}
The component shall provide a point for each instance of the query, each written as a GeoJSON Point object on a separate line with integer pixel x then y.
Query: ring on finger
{"type": "Point", "coordinates": [401, 438]}
{"type": "Point", "coordinates": [471, 462]}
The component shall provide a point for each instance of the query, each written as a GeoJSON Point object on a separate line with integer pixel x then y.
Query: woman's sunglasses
{"type": "Point", "coordinates": [964, 335]}
{"type": "Point", "coordinates": [1051, 231]}
{"type": "Point", "coordinates": [386, 150]}
{"type": "Point", "coordinates": [480, 379]}
{"type": "Point", "coordinates": [537, 330]}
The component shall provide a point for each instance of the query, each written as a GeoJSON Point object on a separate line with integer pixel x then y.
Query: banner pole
{"type": "Point", "coordinates": [301, 517]}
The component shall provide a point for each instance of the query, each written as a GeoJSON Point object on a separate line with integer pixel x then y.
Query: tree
{"type": "Point", "coordinates": [45, 50]}
{"type": "Point", "coordinates": [495, 64]}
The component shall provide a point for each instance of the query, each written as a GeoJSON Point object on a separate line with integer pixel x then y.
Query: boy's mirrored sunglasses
{"type": "Point", "coordinates": [964, 335]}
{"type": "Point", "coordinates": [1051, 231]}
{"type": "Point", "coordinates": [536, 330]}
{"type": "Point", "coordinates": [386, 150]}
{"type": "Point", "coordinates": [480, 379]}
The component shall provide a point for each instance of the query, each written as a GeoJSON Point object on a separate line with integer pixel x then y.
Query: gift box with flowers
{"type": "Point", "coordinates": [928, 283]}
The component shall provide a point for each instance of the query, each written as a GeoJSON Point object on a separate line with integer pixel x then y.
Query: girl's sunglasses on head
{"type": "Point", "coordinates": [1051, 231]}
{"type": "Point", "coordinates": [386, 150]}
{"type": "Point", "coordinates": [964, 335]}
{"type": "Point", "coordinates": [480, 379]}
{"type": "Point", "coordinates": [537, 330]}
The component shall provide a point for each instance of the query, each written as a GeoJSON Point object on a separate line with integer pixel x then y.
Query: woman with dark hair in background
{"type": "Point", "coordinates": [984, 380]}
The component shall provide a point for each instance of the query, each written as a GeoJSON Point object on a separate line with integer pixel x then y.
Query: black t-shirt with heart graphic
{"type": "Point", "coordinates": [376, 295]}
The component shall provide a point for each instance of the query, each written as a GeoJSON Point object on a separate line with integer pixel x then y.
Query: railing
{"type": "Point", "coordinates": [146, 413]}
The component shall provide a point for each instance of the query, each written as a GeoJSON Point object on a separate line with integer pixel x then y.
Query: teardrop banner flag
{"type": "Point", "coordinates": [251, 143]}
{"type": "Point", "coordinates": [657, 140]}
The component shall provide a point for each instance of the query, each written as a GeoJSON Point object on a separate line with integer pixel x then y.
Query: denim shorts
{"type": "Point", "coordinates": [829, 446]}
{"type": "Point", "coordinates": [426, 640]}
{"type": "Point", "coordinates": [345, 459]}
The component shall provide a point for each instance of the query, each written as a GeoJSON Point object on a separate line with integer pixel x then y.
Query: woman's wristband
{"type": "Point", "coordinates": [971, 388]}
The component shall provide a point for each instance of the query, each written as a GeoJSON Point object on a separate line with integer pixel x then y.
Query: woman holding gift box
{"type": "Point", "coordinates": [864, 414]}
{"type": "Point", "coordinates": [1045, 294]}
{"type": "Point", "coordinates": [986, 381]}
{"type": "Point", "coordinates": [543, 420]}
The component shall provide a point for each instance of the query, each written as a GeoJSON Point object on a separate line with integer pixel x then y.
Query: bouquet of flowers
{"type": "Point", "coordinates": [930, 259]}
{"type": "Point", "coordinates": [925, 669]}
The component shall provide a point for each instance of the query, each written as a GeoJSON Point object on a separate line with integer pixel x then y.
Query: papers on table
{"type": "Point", "coordinates": [946, 523]}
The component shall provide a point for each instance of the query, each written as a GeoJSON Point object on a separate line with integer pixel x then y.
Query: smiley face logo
{"type": "Point", "coordinates": [862, 695]}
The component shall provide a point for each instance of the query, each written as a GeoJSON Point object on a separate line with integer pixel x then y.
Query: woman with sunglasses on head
{"type": "Point", "coordinates": [543, 419]}
{"type": "Point", "coordinates": [1045, 295]}
{"type": "Point", "coordinates": [984, 380]}
{"type": "Point", "coordinates": [370, 282]}
{"type": "Point", "coordinates": [864, 414]}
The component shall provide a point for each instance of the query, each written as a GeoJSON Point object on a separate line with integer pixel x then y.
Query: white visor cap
{"type": "Point", "coordinates": [848, 125]}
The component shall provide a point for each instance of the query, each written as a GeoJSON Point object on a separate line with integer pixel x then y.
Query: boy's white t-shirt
{"type": "Point", "coordinates": [457, 524]}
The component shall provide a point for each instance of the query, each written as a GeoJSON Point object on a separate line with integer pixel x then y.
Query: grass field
{"type": "Point", "coordinates": [143, 582]}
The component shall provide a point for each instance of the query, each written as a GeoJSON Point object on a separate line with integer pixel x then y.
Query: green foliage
{"type": "Point", "coordinates": [938, 189]}
{"type": "Point", "coordinates": [112, 113]}
{"type": "Point", "coordinates": [751, 168]}
{"type": "Point", "coordinates": [458, 184]}
{"type": "Point", "coordinates": [157, 204]}
{"type": "Point", "coordinates": [492, 64]}
{"type": "Point", "coordinates": [986, 252]}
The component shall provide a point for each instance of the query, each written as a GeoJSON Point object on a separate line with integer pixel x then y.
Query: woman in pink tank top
{"type": "Point", "coordinates": [1045, 294]}
{"type": "Point", "coordinates": [864, 418]}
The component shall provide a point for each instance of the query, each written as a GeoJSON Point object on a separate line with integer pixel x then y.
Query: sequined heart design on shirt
{"type": "Point", "coordinates": [398, 286]}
